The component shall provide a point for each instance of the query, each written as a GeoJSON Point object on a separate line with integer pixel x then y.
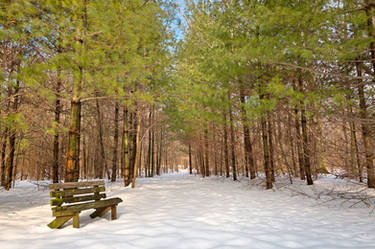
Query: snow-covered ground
{"type": "Point", "coordinates": [182, 211]}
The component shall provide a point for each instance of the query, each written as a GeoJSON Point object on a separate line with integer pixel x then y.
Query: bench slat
{"type": "Point", "coordinates": [72, 192]}
{"type": "Point", "coordinates": [60, 201]}
{"type": "Point", "coordinates": [71, 209]}
{"type": "Point", "coordinates": [70, 185]}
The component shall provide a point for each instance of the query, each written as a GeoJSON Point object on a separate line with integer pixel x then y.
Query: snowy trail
{"type": "Point", "coordinates": [182, 211]}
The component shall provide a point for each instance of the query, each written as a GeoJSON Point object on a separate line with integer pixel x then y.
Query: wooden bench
{"type": "Point", "coordinates": [69, 199]}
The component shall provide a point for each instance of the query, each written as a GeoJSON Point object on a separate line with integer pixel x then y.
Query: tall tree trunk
{"type": "Point", "coordinates": [214, 154]}
{"type": "Point", "coordinates": [134, 122]}
{"type": "Point", "coordinates": [166, 156]}
{"type": "Point", "coordinates": [84, 159]}
{"type": "Point", "coordinates": [72, 155]}
{"type": "Point", "coordinates": [347, 162]}
{"type": "Point", "coordinates": [207, 166]}
{"type": "Point", "coordinates": [366, 132]}
{"type": "Point", "coordinates": [101, 142]}
{"type": "Point", "coordinates": [266, 151]}
{"type": "Point", "coordinates": [159, 153]}
{"type": "Point", "coordinates": [301, 162]}
{"type": "Point", "coordinates": [137, 152]}
{"type": "Point", "coordinates": [232, 138]}
{"type": "Point", "coordinates": [115, 145]}
{"type": "Point", "coordinates": [305, 143]}
{"type": "Point", "coordinates": [152, 145]}
{"type": "Point", "coordinates": [291, 143]}
{"type": "Point", "coordinates": [270, 145]}
{"type": "Point", "coordinates": [9, 162]}
{"type": "Point", "coordinates": [72, 162]}
{"type": "Point", "coordinates": [221, 157]}
{"type": "Point", "coordinates": [4, 145]}
{"type": "Point", "coordinates": [249, 158]}
{"type": "Point", "coordinates": [55, 165]}
{"type": "Point", "coordinates": [190, 162]}
{"type": "Point", "coordinates": [122, 154]}
{"type": "Point", "coordinates": [279, 138]}
{"type": "Point", "coordinates": [355, 157]}
{"type": "Point", "coordinates": [125, 131]}
{"type": "Point", "coordinates": [226, 153]}
{"type": "Point", "coordinates": [3, 156]}
{"type": "Point", "coordinates": [149, 145]}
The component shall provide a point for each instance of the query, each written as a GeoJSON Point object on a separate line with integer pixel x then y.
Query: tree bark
{"type": "Point", "coordinates": [305, 143]}
{"type": "Point", "coordinates": [266, 155]}
{"type": "Point", "coordinates": [152, 145]}
{"type": "Point", "coordinates": [270, 145]}
{"type": "Point", "coordinates": [214, 154]}
{"type": "Point", "coordinates": [101, 142]}
{"type": "Point", "coordinates": [137, 149]}
{"type": "Point", "coordinates": [226, 154]}
{"type": "Point", "coordinates": [190, 162]}
{"type": "Point", "coordinates": [301, 162]}
{"type": "Point", "coordinates": [355, 157]}
{"type": "Point", "coordinates": [232, 138]}
{"type": "Point", "coordinates": [9, 162]}
{"type": "Point", "coordinates": [3, 156]}
{"type": "Point", "coordinates": [366, 132]}
{"type": "Point", "coordinates": [207, 161]}
{"type": "Point", "coordinates": [125, 131]}
{"type": "Point", "coordinates": [115, 144]}
{"type": "Point", "coordinates": [55, 165]}
{"type": "Point", "coordinates": [249, 158]}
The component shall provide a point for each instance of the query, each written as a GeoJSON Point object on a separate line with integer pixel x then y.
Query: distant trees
{"type": "Point", "coordinates": [70, 64]}
{"type": "Point", "coordinates": [300, 71]}
{"type": "Point", "coordinates": [94, 89]}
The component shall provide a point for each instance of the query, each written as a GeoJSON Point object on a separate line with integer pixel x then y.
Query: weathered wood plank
{"type": "Point", "coordinates": [76, 220]}
{"type": "Point", "coordinates": [60, 201]}
{"type": "Point", "coordinates": [59, 221]}
{"type": "Point", "coordinates": [114, 212]}
{"type": "Point", "coordinates": [62, 213]}
{"type": "Point", "coordinates": [67, 185]}
{"type": "Point", "coordinates": [57, 211]}
{"type": "Point", "coordinates": [72, 192]}
{"type": "Point", "coordinates": [100, 212]}
{"type": "Point", "coordinates": [96, 212]}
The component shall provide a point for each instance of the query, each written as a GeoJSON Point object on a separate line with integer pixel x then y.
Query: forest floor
{"type": "Point", "coordinates": [181, 211]}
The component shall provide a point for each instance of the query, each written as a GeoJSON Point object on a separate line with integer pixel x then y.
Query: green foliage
{"type": "Point", "coordinates": [263, 47]}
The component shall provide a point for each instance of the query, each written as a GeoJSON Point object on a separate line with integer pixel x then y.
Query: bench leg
{"type": "Point", "coordinates": [76, 220]}
{"type": "Point", "coordinates": [100, 212]}
{"type": "Point", "coordinates": [59, 221]}
{"type": "Point", "coordinates": [114, 212]}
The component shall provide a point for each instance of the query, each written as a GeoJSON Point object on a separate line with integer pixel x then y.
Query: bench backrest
{"type": "Point", "coordinates": [73, 192]}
